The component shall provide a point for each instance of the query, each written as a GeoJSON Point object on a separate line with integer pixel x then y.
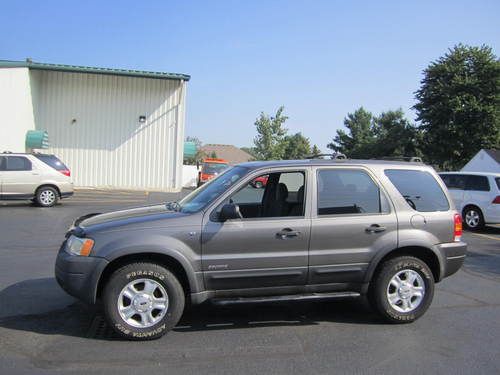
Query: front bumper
{"type": "Point", "coordinates": [453, 255]}
{"type": "Point", "coordinates": [79, 275]}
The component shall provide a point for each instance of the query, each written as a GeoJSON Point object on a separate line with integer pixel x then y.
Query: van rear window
{"type": "Point", "coordinates": [421, 191]}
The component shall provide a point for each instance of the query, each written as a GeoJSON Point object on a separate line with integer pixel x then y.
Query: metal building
{"type": "Point", "coordinates": [114, 128]}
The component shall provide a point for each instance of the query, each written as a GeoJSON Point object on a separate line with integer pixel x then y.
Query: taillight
{"type": "Point", "coordinates": [496, 200]}
{"type": "Point", "coordinates": [66, 172]}
{"type": "Point", "coordinates": [457, 228]}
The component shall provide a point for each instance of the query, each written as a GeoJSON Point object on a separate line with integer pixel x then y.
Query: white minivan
{"type": "Point", "coordinates": [476, 196]}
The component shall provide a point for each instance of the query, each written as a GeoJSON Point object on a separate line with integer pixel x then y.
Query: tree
{"type": "Point", "coordinates": [459, 105]}
{"type": "Point", "coordinates": [213, 155]}
{"type": "Point", "coordinates": [296, 147]}
{"type": "Point", "coordinates": [394, 135]}
{"type": "Point", "coordinates": [389, 134]}
{"type": "Point", "coordinates": [315, 151]}
{"type": "Point", "coordinates": [269, 142]}
{"type": "Point", "coordinates": [359, 139]}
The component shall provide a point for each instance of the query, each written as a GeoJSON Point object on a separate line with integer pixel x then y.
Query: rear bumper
{"type": "Point", "coordinates": [453, 256]}
{"type": "Point", "coordinates": [79, 275]}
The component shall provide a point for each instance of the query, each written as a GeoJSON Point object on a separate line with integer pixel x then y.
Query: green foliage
{"type": "Point", "coordinates": [367, 136]}
{"type": "Point", "coordinates": [269, 142]}
{"type": "Point", "coordinates": [315, 151]}
{"type": "Point", "coordinates": [459, 105]}
{"type": "Point", "coordinates": [296, 147]}
{"type": "Point", "coordinates": [359, 139]}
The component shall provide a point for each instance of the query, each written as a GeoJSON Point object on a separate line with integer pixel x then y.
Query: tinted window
{"type": "Point", "coordinates": [478, 183]}
{"type": "Point", "coordinates": [347, 192]}
{"type": "Point", "coordinates": [498, 182]}
{"type": "Point", "coordinates": [420, 189]}
{"type": "Point", "coordinates": [17, 163]}
{"type": "Point", "coordinates": [454, 181]}
{"type": "Point", "coordinates": [2, 163]}
{"type": "Point", "coordinates": [52, 161]}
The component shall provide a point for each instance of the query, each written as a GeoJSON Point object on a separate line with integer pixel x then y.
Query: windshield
{"type": "Point", "coordinates": [213, 168]}
{"type": "Point", "coordinates": [206, 194]}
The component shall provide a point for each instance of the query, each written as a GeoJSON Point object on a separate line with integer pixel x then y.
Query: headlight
{"type": "Point", "coordinates": [79, 246]}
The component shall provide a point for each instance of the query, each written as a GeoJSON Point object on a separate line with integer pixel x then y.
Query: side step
{"type": "Point", "coordinates": [291, 297]}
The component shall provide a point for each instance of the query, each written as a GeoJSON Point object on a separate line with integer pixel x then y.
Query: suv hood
{"type": "Point", "coordinates": [125, 217]}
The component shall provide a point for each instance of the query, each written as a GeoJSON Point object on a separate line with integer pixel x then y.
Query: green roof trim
{"type": "Point", "coordinates": [95, 70]}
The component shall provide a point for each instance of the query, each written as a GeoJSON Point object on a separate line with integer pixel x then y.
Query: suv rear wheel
{"type": "Point", "coordinates": [143, 301]}
{"type": "Point", "coordinates": [46, 196]}
{"type": "Point", "coordinates": [403, 289]}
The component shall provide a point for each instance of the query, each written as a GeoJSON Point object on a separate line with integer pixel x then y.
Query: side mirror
{"type": "Point", "coordinates": [230, 211]}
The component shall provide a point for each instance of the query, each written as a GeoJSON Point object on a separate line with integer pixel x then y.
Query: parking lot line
{"type": "Point", "coordinates": [485, 236]}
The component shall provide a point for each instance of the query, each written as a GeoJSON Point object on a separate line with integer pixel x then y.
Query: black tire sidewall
{"type": "Point", "coordinates": [121, 277]}
{"type": "Point", "coordinates": [42, 189]}
{"type": "Point", "coordinates": [388, 271]}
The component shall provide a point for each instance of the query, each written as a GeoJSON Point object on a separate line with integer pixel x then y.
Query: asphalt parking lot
{"type": "Point", "coordinates": [43, 330]}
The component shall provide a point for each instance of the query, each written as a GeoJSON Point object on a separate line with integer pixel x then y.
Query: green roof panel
{"type": "Point", "coordinates": [89, 69]}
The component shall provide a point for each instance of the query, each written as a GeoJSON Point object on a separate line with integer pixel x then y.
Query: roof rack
{"type": "Point", "coordinates": [410, 159]}
{"type": "Point", "coordinates": [335, 156]}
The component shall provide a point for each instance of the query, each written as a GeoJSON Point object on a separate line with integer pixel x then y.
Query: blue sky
{"type": "Point", "coordinates": [320, 59]}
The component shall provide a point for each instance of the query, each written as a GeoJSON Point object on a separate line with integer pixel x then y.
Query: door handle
{"type": "Point", "coordinates": [375, 228]}
{"type": "Point", "coordinates": [287, 233]}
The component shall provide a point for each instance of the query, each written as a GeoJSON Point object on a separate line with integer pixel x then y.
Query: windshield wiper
{"type": "Point", "coordinates": [175, 206]}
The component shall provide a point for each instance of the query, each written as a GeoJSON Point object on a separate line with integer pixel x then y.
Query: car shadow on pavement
{"type": "Point", "coordinates": [40, 306]}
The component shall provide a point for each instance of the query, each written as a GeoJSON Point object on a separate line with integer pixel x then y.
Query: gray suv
{"type": "Point", "coordinates": [317, 229]}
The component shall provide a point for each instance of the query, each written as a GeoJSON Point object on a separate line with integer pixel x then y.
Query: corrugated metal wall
{"type": "Point", "coordinates": [93, 125]}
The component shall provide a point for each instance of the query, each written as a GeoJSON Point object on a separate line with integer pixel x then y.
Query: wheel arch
{"type": "Point", "coordinates": [168, 261]}
{"type": "Point", "coordinates": [48, 185]}
{"type": "Point", "coordinates": [425, 254]}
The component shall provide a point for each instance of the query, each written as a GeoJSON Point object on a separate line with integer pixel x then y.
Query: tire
{"type": "Point", "coordinates": [473, 218]}
{"type": "Point", "coordinates": [383, 286]}
{"type": "Point", "coordinates": [46, 196]}
{"type": "Point", "coordinates": [146, 323]}
{"type": "Point", "coordinates": [259, 185]}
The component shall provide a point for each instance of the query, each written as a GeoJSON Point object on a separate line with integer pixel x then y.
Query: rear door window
{"type": "Point", "coordinates": [344, 192]}
{"type": "Point", "coordinates": [477, 183]}
{"type": "Point", "coordinates": [52, 161]}
{"type": "Point", "coordinates": [17, 163]}
{"type": "Point", "coordinates": [421, 191]}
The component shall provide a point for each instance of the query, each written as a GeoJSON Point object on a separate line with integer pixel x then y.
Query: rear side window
{"type": "Point", "coordinates": [52, 161]}
{"type": "Point", "coordinates": [342, 192]}
{"type": "Point", "coordinates": [2, 163]}
{"type": "Point", "coordinates": [17, 163]}
{"type": "Point", "coordinates": [498, 182]}
{"type": "Point", "coordinates": [420, 189]}
{"type": "Point", "coordinates": [477, 183]}
{"type": "Point", "coordinates": [454, 181]}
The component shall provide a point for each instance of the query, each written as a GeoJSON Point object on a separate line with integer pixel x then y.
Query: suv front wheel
{"type": "Point", "coordinates": [143, 301]}
{"type": "Point", "coordinates": [402, 290]}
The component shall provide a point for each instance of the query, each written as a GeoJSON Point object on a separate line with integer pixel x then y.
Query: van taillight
{"type": "Point", "coordinates": [496, 200]}
{"type": "Point", "coordinates": [457, 228]}
{"type": "Point", "coordinates": [66, 172]}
